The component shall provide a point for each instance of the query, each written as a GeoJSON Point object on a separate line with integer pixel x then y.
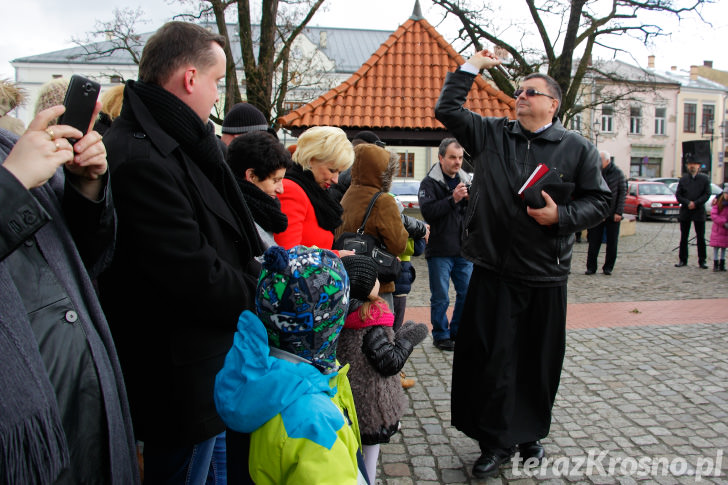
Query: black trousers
{"type": "Point", "coordinates": [699, 238]}
{"type": "Point", "coordinates": [594, 236]}
{"type": "Point", "coordinates": [238, 450]}
{"type": "Point", "coordinates": [508, 357]}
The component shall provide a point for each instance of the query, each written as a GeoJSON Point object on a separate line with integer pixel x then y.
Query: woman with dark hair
{"type": "Point", "coordinates": [259, 163]}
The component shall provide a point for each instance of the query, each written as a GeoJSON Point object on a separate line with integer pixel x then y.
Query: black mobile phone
{"type": "Point", "coordinates": [80, 102]}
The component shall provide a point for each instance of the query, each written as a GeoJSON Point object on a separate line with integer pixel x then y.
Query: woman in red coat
{"type": "Point", "coordinates": [313, 216]}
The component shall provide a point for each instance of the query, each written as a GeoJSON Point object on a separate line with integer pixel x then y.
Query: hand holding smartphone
{"type": "Point", "coordinates": [80, 103]}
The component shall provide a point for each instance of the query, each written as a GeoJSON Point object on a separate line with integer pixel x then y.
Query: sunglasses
{"type": "Point", "coordinates": [530, 92]}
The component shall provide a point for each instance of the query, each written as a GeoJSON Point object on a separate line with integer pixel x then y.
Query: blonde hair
{"type": "Point", "coordinates": [326, 144]}
{"type": "Point", "coordinates": [112, 100]}
{"type": "Point", "coordinates": [365, 310]}
{"type": "Point", "coordinates": [51, 94]}
{"type": "Point", "coordinates": [10, 91]}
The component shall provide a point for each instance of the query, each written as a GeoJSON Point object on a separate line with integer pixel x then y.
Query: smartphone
{"type": "Point", "coordinates": [80, 102]}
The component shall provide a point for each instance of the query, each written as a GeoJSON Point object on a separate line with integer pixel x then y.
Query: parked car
{"type": "Point", "coordinates": [650, 200]}
{"type": "Point", "coordinates": [715, 191]}
{"type": "Point", "coordinates": [665, 180]}
{"type": "Point", "coordinates": [406, 192]}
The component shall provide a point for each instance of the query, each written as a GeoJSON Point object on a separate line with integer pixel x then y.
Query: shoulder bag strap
{"type": "Point", "coordinates": [366, 215]}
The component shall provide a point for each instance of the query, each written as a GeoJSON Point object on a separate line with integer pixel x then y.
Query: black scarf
{"type": "Point", "coordinates": [328, 211]}
{"type": "Point", "coordinates": [266, 210]}
{"type": "Point", "coordinates": [198, 141]}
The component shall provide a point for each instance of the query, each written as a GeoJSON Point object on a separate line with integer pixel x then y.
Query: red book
{"type": "Point", "coordinates": [537, 173]}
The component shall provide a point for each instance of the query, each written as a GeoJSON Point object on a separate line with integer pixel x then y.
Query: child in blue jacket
{"type": "Point", "coordinates": [281, 380]}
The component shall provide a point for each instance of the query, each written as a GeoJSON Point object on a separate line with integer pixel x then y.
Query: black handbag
{"type": "Point", "coordinates": [388, 266]}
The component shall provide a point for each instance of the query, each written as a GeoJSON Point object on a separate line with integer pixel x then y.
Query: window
{"type": "Point", "coordinates": [691, 110]}
{"type": "Point", "coordinates": [406, 165]}
{"type": "Point", "coordinates": [289, 106]}
{"type": "Point", "coordinates": [575, 123]}
{"type": "Point", "coordinates": [660, 121]}
{"type": "Point", "coordinates": [635, 120]}
{"type": "Point", "coordinates": [607, 117]}
{"type": "Point", "coordinates": [645, 167]}
{"type": "Point", "coordinates": [708, 117]}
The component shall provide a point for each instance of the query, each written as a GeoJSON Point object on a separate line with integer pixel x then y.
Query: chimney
{"type": "Point", "coordinates": [650, 62]}
{"type": "Point", "coordinates": [673, 68]}
{"type": "Point", "coordinates": [693, 73]}
{"type": "Point", "coordinates": [708, 64]}
{"type": "Point", "coordinates": [322, 39]}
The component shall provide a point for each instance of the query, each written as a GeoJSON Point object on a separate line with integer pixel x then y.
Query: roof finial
{"type": "Point", "coordinates": [417, 12]}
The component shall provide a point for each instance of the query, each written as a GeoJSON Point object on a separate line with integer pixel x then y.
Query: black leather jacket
{"type": "Point", "coordinates": [500, 235]}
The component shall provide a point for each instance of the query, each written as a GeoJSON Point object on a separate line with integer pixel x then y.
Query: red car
{"type": "Point", "coordinates": [650, 200]}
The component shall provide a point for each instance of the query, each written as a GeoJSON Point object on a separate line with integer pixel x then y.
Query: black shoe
{"type": "Point", "coordinates": [703, 265]}
{"type": "Point", "coordinates": [445, 344]}
{"type": "Point", "coordinates": [589, 271]}
{"type": "Point", "coordinates": [490, 461]}
{"type": "Point", "coordinates": [607, 271]}
{"type": "Point", "coordinates": [532, 449]}
{"type": "Point", "coordinates": [681, 264]}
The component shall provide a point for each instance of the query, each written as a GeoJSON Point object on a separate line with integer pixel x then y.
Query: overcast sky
{"type": "Point", "coordinates": [38, 26]}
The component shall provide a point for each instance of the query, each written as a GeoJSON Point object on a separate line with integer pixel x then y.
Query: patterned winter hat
{"type": "Point", "coordinates": [362, 272]}
{"type": "Point", "coordinates": [302, 298]}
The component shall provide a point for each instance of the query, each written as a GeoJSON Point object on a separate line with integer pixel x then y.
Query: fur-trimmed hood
{"type": "Point", "coordinates": [373, 166]}
{"type": "Point", "coordinates": [371, 173]}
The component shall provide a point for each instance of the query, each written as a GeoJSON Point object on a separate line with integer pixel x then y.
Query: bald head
{"type": "Point", "coordinates": [606, 158]}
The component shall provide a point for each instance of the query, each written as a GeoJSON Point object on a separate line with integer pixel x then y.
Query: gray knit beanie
{"type": "Point", "coordinates": [244, 118]}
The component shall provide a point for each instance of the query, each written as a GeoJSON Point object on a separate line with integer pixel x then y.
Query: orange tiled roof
{"type": "Point", "coordinates": [398, 86]}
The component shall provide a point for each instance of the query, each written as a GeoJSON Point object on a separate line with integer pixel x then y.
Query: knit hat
{"type": "Point", "coordinates": [362, 272]}
{"type": "Point", "coordinates": [302, 299]}
{"type": "Point", "coordinates": [50, 94]}
{"type": "Point", "coordinates": [243, 118]}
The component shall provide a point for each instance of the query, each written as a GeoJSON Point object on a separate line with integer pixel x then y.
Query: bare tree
{"type": "Point", "coordinates": [281, 22]}
{"type": "Point", "coordinates": [562, 35]}
{"type": "Point", "coordinates": [119, 35]}
{"type": "Point", "coordinates": [267, 76]}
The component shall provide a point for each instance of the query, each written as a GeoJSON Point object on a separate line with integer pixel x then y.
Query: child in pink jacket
{"type": "Point", "coordinates": [719, 232]}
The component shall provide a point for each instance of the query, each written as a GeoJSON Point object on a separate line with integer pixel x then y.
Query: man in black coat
{"type": "Point", "coordinates": [618, 185]}
{"type": "Point", "coordinates": [184, 266]}
{"type": "Point", "coordinates": [693, 191]}
{"type": "Point", "coordinates": [510, 345]}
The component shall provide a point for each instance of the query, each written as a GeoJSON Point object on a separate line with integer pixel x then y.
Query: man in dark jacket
{"type": "Point", "coordinates": [693, 191]}
{"type": "Point", "coordinates": [618, 186]}
{"type": "Point", "coordinates": [443, 198]}
{"type": "Point", "coordinates": [510, 346]}
{"type": "Point", "coordinates": [184, 266]}
{"type": "Point", "coordinates": [64, 415]}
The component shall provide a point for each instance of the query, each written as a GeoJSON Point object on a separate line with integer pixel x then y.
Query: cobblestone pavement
{"type": "Point", "coordinates": [644, 271]}
{"type": "Point", "coordinates": [642, 404]}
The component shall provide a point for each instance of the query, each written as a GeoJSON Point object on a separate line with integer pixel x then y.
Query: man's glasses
{"type": "Point", "coordinates": [530, 92]}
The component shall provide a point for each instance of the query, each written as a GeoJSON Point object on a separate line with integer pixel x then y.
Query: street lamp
{"type": "Point", "coordinates": [597, 126]}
